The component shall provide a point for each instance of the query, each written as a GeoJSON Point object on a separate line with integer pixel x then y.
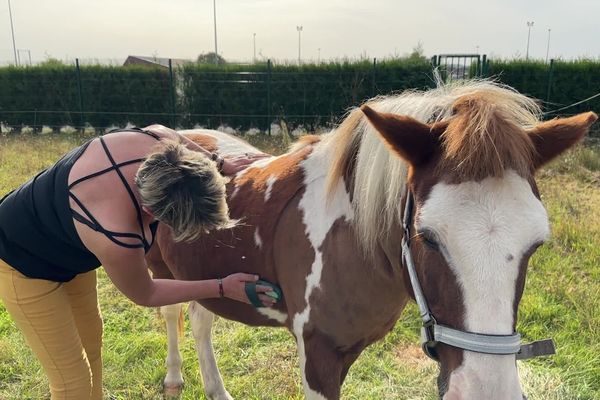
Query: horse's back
{"type": "Point", "coordinates": [221, 142]}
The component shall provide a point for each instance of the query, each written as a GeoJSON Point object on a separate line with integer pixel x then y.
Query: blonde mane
{"type": "Point", "coordinates": [485, 136]}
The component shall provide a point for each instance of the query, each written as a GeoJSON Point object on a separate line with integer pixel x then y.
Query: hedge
{"type": "Point", "coordinates": [244, 96]}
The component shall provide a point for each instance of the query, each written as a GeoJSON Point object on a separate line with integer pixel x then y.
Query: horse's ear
{"type": "Point", "coordinates": [412, 140]}
{"type": "Point", "coordinates": [552, 137]}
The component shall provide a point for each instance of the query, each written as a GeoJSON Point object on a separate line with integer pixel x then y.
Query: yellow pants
{"type": "Point", "coordinates": [61, 323]}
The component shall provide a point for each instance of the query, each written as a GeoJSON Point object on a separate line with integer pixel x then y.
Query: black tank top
{"type": "Point", "coordinates": [37, 232]}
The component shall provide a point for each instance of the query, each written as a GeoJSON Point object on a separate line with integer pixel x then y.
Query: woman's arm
{"type": "Point", "coordinates": [127, 270]}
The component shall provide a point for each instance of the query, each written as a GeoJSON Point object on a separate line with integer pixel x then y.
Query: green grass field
{"type": "Point", "coordinates": [562, 300]}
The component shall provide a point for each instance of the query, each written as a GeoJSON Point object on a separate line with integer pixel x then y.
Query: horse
{"type": "Point", "coordinates": [426, 195]}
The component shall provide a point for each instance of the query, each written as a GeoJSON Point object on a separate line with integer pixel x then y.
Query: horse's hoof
{"type": "Point", "coordinates": [172, 391]}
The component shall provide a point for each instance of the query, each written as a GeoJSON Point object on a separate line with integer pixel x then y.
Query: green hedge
{"type": "Point", "coordinates": [254, 95]}
{"type": "Point", "coordinates": [50, 95]}
{"type": "Point", "coordinates": [566, 83]}
{"type": "Point", "coordinates": [311, 95]}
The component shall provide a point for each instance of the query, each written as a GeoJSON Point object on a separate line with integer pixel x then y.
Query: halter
{"type": "Point", "coordinates": [433, 333]}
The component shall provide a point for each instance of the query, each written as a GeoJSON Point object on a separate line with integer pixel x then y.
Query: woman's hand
{"type": "Point", "coordinates": [232, 165]}
{"type": "Point", "coordinates": [234, 288]}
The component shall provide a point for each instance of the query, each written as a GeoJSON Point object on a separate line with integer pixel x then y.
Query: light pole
{"type": "Point", "coordinates": [254, 47]}
{"type": "Point", "coordinates": [19, 55]}
{"type": "Point", "coordinates": [215, 20]}
{"type": "Point", "coordinates": [299, 29]}
{"type": "Point", "coordinates": [548, 46]}
{"type": "Point", "coordinates": [529, 26]}
{"type": "Point", "coordinates": [12, 29]}
{"type": "Point", "coordinates": [319, 57]}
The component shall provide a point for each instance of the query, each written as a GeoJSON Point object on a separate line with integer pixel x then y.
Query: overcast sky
{"type": "Point", "coordinates": [113, 29]}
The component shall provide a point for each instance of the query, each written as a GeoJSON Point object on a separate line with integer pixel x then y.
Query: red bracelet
{"type": "Point", "coordinates": [221, 291]}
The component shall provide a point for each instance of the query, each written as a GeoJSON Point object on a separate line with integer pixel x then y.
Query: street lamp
{"type": "Point", "coordinates": [319, 57]}
{"type": "Point", "coordinates": [529, 26]}
{"type": "Point", "coordinates": [215, 20]}
{"type": "Point", "coordinates": [548, 46]}
{"type": "Point", "coordinates": [19, 55]}
{"type": "Point", "coordinates": [13, 33]}
{"type": "Point", "coordinates": [299, 29]}
{"type": "Point", "coordinates": [254, 47]}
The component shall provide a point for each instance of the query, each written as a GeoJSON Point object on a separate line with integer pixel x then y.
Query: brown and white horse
{"type": "Point", "coordinates": [324, 221]}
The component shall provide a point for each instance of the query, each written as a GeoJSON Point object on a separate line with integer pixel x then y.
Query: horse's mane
{"type": "Point", "coordinates": [485, 136]}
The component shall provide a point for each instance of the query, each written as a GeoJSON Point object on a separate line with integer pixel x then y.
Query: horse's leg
{"type": "Point", "coordinates": [321, 367]}
{"type": "Point", "coordinates": [348, 360]}
{"type": "Point", "coordinates": [201, 320]}
{"type": "Point", "coordinates": [173, 382]}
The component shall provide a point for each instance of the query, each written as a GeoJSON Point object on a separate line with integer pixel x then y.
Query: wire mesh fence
{"type": "Point", "coordinates": [246, 96]}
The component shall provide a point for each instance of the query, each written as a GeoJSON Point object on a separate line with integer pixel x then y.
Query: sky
{"type": "Point", "coordinates": [331, 29]}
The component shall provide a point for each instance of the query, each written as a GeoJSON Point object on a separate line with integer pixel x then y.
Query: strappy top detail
{"type": "Point", "coordinates": [89, 220]}
{"type": "Point", "coordinates": [37, 234]}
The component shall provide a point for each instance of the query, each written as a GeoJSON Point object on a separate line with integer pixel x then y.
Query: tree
{"type": "Point", "coordinates": [418, 53]}
{"type": "Point", "coordinates": [211, 58]}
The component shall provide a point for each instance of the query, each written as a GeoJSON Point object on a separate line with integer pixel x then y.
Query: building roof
{"type": "Point", "coordinates": [153, 61]}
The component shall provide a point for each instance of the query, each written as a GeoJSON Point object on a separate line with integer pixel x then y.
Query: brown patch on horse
{"type": "Point", "coordinates": [206, 141]}
{"type": "Point", "coordinates": [280, 168]}
{"type": "Point", "coordinates": [481, 140]}
{"type": "Point", "coordinates": [341, 325]}
{"type": "Point", "coordinates": [307, 140]}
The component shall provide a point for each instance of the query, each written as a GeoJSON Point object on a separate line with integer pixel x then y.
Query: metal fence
{"type": "Point", "coordinates": [254, 95]}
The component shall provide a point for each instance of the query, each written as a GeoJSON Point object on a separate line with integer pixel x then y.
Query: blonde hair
{"type": "Point", "coordinates": [184, 190]}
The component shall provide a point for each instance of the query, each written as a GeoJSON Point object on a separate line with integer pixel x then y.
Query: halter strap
{"type": "Point", "coordinates": [433, 333]}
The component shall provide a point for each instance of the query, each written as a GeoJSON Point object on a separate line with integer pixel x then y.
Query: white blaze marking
{"type": "Point", "coordinates": [318, 218]}
{"type": "Point", "coordinates": [483, 229]}
{"type": "Point", "coordinates": [270, 182]}
{"type": "Point", "coordinates": [257, 239]}
{"type": "Point", "coordinates": [276, 315]}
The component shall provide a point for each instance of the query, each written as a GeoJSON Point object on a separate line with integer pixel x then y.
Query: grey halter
{"type": "Point", "coordinates": [433, 333]}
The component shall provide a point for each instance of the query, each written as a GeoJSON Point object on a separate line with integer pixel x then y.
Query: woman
{"type": "Point", "coordinates": [100, 205]}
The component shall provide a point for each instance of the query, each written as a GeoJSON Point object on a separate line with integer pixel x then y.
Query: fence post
{"type": "Point", "coordinates": [269, 96]}
{"type": "Point", "coordinates": [79, 91]}
{"type": "Point", "coordinates": [484, 66]}
{"type": "Point", "coordinates": [373, 77]}
{"type": "Point", "coordinates": [172, 94]}
{"type": "Point", "coordinates": [550, 71]}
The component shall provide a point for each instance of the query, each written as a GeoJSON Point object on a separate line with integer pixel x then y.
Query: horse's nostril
{"type": "Point", "coordinates": [524, 397]}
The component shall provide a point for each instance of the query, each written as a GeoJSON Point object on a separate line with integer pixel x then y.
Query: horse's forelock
{"type": "Point", "coordinates": [485, 138]}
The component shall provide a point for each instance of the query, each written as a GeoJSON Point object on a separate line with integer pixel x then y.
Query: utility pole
{"type": "Point", "coordinates": [215, 20]}
{"type": "Point", "coordinates": [529, 26]}
{"type": "Point", "coordinates": [548, 46]}
{"type": "Point", "coordinates": [12, 29]}
{"type": "Point", "coordinates": [254, 47]}
{"type": "Point", "coordinates": [299, 29]}
{"type": "Point", "coordinates": [319, 56]}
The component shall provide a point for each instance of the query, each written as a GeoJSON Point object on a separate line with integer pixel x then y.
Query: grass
{"type": "Point", "coordinates": [562, 300]}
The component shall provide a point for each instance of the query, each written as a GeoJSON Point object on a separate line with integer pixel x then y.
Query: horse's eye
{"type": "Point", "coordinates": [429, 240]}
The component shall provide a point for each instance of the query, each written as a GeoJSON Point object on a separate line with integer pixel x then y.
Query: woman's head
{"type": "Point", "coordinates": [184, 190]}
